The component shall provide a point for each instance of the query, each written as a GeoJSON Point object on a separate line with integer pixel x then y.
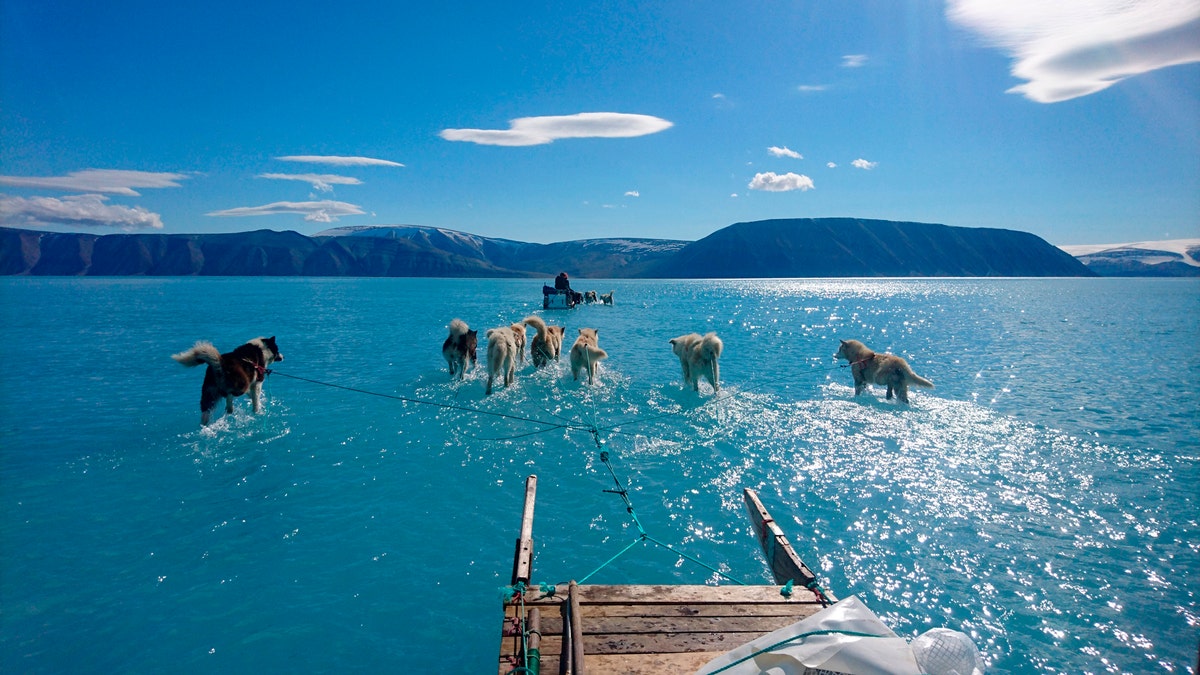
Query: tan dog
{"type": "Point", "coordinates": [698, 356]}
{"type": "Point", "coordinates": [867, 367]}
{"type": "Point", "coordinates": [518, 330]}
{"type": "Point", "coordinates": [547, 344]}
{"type": "Point", "coordinates": [501, 356]}
{"type": "Point", "coordinates": [585, 353]}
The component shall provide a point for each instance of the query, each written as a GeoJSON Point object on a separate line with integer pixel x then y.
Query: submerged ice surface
{"type": "Point", "coordinates": [1040, 499]}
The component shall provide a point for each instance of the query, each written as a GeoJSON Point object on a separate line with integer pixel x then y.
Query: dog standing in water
{"type": "Point", "coordinates": [698, 355]}
{"type": "Point", "coordinates": [459, 348]}
{"type": "Point", "coordinates": [890, 370]}
{"type": "Point", "coordinates": [231, 375]}
{"type": "Point", "coordinates": [501, 356]}
{"type": "Point", "coordinates": [518, 330]}
{"type": "Point", "coordinates": [585, 353]}
{"type": "Point", "coordinates": [546, 345]}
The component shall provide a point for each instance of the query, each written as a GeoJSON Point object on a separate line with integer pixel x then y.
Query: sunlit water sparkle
{"type": "Point", "coordinates": [1042, 498]}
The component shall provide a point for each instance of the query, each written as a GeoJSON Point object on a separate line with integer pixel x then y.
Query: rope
{"type": "Point", "coordinates": [406, 399]}
{"type": "Point", "coordinates": [794, 638]}
{"type": "Point", "coordinates": [643, 536]}
{"type": "Point", "coordinates": [720, 398]}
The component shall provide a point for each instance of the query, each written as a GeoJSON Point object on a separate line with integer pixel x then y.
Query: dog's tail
{"type": "Point", "coordinates": [711, 346]}
{"type": "Point", "coordinates": [916, 379]}
{"type": "Point", "coordinates": [202, 352]}
{"type": "Point", "coordinates": [538, 325]}
{"type": "Point", "coordinates": [458, 327]}
{"type": "Point", "coordinates": [594, 354]}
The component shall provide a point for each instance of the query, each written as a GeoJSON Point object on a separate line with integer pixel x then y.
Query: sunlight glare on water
{"type": "Point", "coordinates": [1050, 517]}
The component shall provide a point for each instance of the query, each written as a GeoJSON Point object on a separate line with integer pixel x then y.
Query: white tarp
{"type": "Point", "coordinates": [833, 642]}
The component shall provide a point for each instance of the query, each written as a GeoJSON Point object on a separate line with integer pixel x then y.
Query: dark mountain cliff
{"type": "Point", "coordinates": [823, 247]}
{"type": "Point", "coordinates": [848, 247]}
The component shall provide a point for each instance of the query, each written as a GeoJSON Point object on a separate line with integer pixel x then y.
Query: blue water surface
{"type": "Point", "coordinates": [1042, 498]}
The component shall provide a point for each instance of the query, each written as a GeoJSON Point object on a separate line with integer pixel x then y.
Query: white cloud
{"type": "Point", "coordinates": [787, 182]}
{"type": "Point", "coordinates": [861, 163]}
{"type": "Point", "coordinates": [1070, 48]}
{"type": "Point", "coordinates": [542, 130]}
{"type": "Point", "coordinates": [831, 165]}
{"type": "Point", "coordinates": [338, 160]}
{"type": "Point", "coordinates": [810, 88]}
{"type": "Point", "coordinates": [718, 95]}
{"type": "Point", "coordinates": [854, 60]}
{"type": "Point", "coordinates": [109, 181]}
{"type": "Point", "coordinates": [77, 210]}
{"type": "Point", "coordinates": [323, 182]}
{"type": "Point", "coordinates": [784, 152]}
{"type": "Point", "coordinates": [325, 211]}
{"type": "Point", "coordinates": [633, 193]}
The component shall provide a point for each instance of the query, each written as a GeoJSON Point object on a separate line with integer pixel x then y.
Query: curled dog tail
{"type": "Point", "coordinates": [202, 352]}
{"type": "Point", "coordinates": [595, 353]}
{"type": "Point", "coordinates": [711, 346]}
{"type": "Point", "coordinates": [538, 325]}
{"type": "Point", "coordinates": [458, 327]}
{"type": "Point", "coordinates": [916, 379]}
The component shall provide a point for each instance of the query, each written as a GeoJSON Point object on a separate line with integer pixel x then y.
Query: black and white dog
{"type": "Point", "coordinates": [231, 375]}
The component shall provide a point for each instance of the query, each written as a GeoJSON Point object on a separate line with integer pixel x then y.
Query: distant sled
{"type": "Point", "coordinates": [553, 298]}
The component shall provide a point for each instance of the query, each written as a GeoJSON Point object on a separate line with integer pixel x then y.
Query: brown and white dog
{"type": "Point", "coordinates": [890, 370]}
{"type": "Point", "coordinates": [607, 298]}
{"type": "Point", "coordinates": [546, 345]}
{"type": "Point", "coordinates": [589, 297]}
{"type": "Point", "coordinates": [501, 356]}
{"type": "Point", "coordinates": [586, 353]}
{"type": "Point", "coordinates": [698, 356]}
{"type": "Point", "coordinates": [233, 374]}
{"type": "Point", "coordinates": [459, 348]}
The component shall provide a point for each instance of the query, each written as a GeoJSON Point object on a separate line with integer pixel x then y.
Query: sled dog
{"type": "Point", "coordinates": [233, 374]}
{"type": "Point", "coordinates": [890, 370]}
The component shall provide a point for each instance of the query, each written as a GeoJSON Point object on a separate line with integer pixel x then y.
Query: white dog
{"type": "Point", "coordinates": [698, 355]}
{"type": "Point", "coordinates": [501, 355]}
{"type": "Point", "coordinates": [585, 353]}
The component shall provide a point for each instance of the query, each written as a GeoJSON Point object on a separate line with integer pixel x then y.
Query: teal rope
{"type": "Point", "coordinates": [801, 636]}
{"type": "Point", "coordinates": [643, 536]}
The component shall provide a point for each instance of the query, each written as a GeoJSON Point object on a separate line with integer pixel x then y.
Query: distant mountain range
{"type": "Point", "coordinates": [807, 247]}
{"type": "Point", "coordinates": [1167, 258]}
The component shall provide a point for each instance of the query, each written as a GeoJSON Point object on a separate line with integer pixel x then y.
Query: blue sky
{"type": "Point", "coordinates": [1077, 120]}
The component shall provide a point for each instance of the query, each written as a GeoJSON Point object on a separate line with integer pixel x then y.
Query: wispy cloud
{"type": "Point", "coordinates": [108, 181]}
{"type": "Point", "coordinates": [633, 193]}
{"type": "Point", "coordinates": [861, 163]}
{"type": "Point", "coordinates": [718, 95]}
{"type": "Point", "coordinates": [542, 130]}
{"type": "Point", "coordinates": [811, 88]}
{"type": "Point", "coordinates": [854, 60]}
{"type": "Point", "coordinates": [325, 211]}
{"type": "Point", "coordinates": [831, 165]}
{"type": "Point", "coordinates": [784, 152]}
{"type": "Point", "coordinates": [772, 182]}
{"type": "Point", "coordinates": [322, 182]}
{"type": "Point", "coordinates": [338, 160]}
{"type": "Point", "coordinates": [88, 210]}
{"type": "Point", "coordinates": [1071, 48]}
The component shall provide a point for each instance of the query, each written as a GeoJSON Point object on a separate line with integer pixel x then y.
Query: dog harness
{"type": "Point", "coordinates": [259, 368]}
